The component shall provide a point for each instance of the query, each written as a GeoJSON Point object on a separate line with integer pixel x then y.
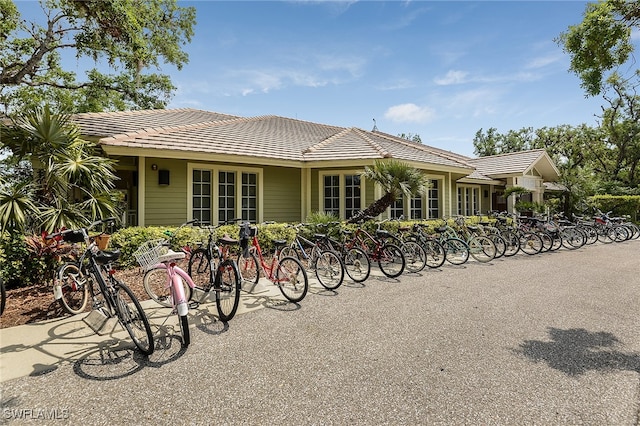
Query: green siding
{"type": "Point", "coordinates": [166, 204]}
{"type": "Point", "coordinates": [282, 194]}
{"type": "Point", "coordinates": [315, 191]}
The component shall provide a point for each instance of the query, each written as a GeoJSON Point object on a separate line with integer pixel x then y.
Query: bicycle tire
{"type": "Point", "coordinates": [155, 285]}
{"type": "Point", "coordinates": [249, 269]}
{"type": "Point", "coordinates": [291, 279]}
{"type": "Point", "coordinates": [415, 256]}
{"type": "Point", "coordinates": [201, 270]}
{"type": "Point", "coordinates": [74, 289]}
{"type": "Point", "coordinates": [3, 296]}
{"type": "Point", "coordinates": [500, 243]}
{"type": "Point", "coordinates": [435, 253]}
{"type": "Point", "coordinates": [391, 261]}
{"type": "Point", "coordinates": [571, 238]}
{"type": "Point", "coordinates": [622, 233]}
{"type": "Point", "coordinates": [457, 251]}
{"type": "Point", "coordinates": [513, 243]}
{"type": "Point", "coordinates": [530, 243]}
{"type": "Point", "coordinates": [357, 264]}
{"type": "Point", "coordinates": [289, 251]}
{"type": "Point", "coordinates": [606, 235]}
{"type": "Point", "coordinates": [227, 288]}
{"type": "Point", "coordinates": [547, 241]}
{"type": "Point", "coordinates": [132, 318]}
{"type": "Point", "coordinates": [482, 249]}
{"type": "Point", "coordinates": [184, 330]}
{"type": "Point", "coordinates": [557, 240]}
{"type": "Point", "coordinates": [592, 234]}
{"type": "Point", "coordinates": [329, 270]}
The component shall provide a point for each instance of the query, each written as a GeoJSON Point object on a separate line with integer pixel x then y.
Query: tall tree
{"type": "Point", "coordinates": [124, 36]}
{"type": "Point", "coordinates": [602, 43]}
{"type": "Point", "coordinates": [396, 179]}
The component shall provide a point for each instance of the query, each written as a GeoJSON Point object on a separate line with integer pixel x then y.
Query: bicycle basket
{"type": "Point", "coordinates": [148, 254]}
{"type": "Point", "coordinates": [73, 236]}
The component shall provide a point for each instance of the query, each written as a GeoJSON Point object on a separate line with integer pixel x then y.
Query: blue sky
{"type": "Point", "coordinates": [437, 69]}
{"type": "Point", "coordinates": [441, 70]}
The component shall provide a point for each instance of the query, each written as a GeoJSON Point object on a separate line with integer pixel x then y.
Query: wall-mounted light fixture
{"type": "Point", "coordinates": [163, 177]}
{"type": "Point", "coordinates": [154, 167]}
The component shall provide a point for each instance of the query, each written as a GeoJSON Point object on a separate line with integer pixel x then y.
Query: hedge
{"type": "Point", "coordinates": [619, 204]}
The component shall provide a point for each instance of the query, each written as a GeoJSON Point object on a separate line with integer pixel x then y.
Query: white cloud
{"type": "Point", "coordinates": [452, 77]}
{"type": "Point", "coordinates": [543, 61]}
{"type": "Point", "coordinates": [409, 113]}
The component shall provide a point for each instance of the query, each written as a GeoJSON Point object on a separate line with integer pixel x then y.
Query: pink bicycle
{"type": "Point", "coordinates": [158, 260]}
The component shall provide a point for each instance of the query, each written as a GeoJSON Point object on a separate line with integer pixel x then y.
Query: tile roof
{"type": "Point", "coordinates": [261, 137]}
{"type": "Point", "coordinates": [511, 163]}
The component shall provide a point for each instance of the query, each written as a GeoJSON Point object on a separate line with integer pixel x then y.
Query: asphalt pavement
{"type": "Point", "coordinates": [552, 339]}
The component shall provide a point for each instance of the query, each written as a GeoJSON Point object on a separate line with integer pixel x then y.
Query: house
{"type": "Point", "coordinates": [179, 164]}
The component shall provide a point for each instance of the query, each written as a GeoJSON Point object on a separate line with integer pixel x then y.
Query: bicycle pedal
{"type": "Point", "coordinates": [194, 305]}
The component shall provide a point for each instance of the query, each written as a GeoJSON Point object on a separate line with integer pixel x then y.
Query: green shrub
{"type": "Point", "coordinates": [19, 266]}
{"type": "Point", "coordinates": [618, 204]}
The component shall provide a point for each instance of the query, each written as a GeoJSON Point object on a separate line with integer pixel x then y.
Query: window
{"type": "Point", "coordinates": [332, 195]}
{"type": "Point", "coordinates": [226, 196]}
{"type": "Point", "coordinates": [433, 199]}
{"type": "Point", "coordinates": [221, 195]}
{"type": "Point", "coordinates": [397, 208]}
{"type": "Point", "coordinates": [202, 195]}
{"type": "Point", "coordinates": [250, 197]}
{"type": "Point", "coordinates": [352, 195]}
{"type": "Point", "coordinates": [341, 193]}
{"type": "Point", "coordinates": [416, 207]}
{"type": "Point", "coordinates": [468, 200]}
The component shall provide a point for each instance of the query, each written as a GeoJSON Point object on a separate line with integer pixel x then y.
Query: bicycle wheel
{"type": "Point", "coordinates": [184, 330]}
{"type": "Point", "coordinates": [592, 234]}
{"type": "Point", "coordinates": [621, 233]}
{"type": "Point", "coordinates": [3, 296]}
{"type": "Point", "coordinates": [435, 253]}
{"type": "Point", "coordinates": [329, 270]}
{"type": "Point", "coordinates": [75, 292]}
{"type": "Point", "coordinates": [513, 243]}
{"type": "Point", "coordinates": [571, 238]}
{"type": "Point", "coordinates": [500, 243]}
{"type": "Point", "coordinates": [457, 251]}
{"type": "Point", "coordinates": [291, 279]}
{"type": "Point", "coordinates": [289, 251]}
{"type": "Point", "coordinates": [391, 261]}
{"type": "Point", "coordinates": [547, 241]}
{"type": "Point", "coordinates": [606, 235]}
{"type": "Point", "coordinates": [482, 249]}
{"type": "Point", "coordinates": [530, 243]}
{"type": "Point", "coordinates": [158, 288]}
{"type": "Point", "coordinates": [248, 268]}
{"type": "Point", "coordinates": [200, 269]}
{"type": "Point", "coordinates": [227, 288]}
{"type": "Point", "coordinates": [414, 256]}
{"type": "Point", "coordinates": [357, 264]}
{"type": "Point", "coordinates": [132, 317]}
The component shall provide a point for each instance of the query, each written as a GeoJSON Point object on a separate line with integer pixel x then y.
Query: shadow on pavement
{"type": "Point", "coordinates": [576, 351]}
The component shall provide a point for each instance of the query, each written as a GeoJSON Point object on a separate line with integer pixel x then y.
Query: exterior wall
{"type": "Point", "coordinates": [282, 194]}
{"type": "Point", "coordinates": [165, 204]}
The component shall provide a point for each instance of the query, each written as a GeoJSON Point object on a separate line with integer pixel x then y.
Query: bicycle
{"type": "Point", "coordinates": [92, 273]}
{"type": "Point", "coordinates": [434, 250]}
{"type": "Point", "coordinates": [213, 268]}
{"type": "Point", "coordinates": [415, 255]}
{"type": "Point", "coordinates": [3, 296]}
{"type": "Point", "coordinates": [456, 250]}
{"type": "Point", "coordinates": [389, 257]}
{"type": "Point", "coordinates": [481, 247]}
{"type": "Point", "coordinates": [286, 273]}
{"type": "Point", "coordinates": [355, 260]}
{"type": "Point", "coordinates": [324, 261]}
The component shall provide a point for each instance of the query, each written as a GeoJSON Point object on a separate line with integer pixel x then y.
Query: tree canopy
{"type": "Point", "coordinates": [122, 38]}
{"type": "Point", "coordinates": [602, 43]}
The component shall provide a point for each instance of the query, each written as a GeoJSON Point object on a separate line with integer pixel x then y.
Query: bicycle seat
{"type": "Point", "coordinates": [403, 228]}
{"type": "Point", "coordinates": [171, 255]}
{"type": "Point", "coordinates": [279, 243]}
{"type": "Point", "coordinates": [319, 236]}
{"type": "Point", "coordinates": [441, 229]}
{"type": "Point", "coordinates": [226, 239]}
{"type": "Point", "coordinates": [103, 257]}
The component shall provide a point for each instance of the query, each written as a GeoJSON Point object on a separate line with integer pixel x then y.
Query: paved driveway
{"type": "Point", "coordinates": [549, 339]}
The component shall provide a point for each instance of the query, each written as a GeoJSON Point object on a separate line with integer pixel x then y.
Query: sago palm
{"type": "Point", "coordinates": [396, 179]}
{"type": "Point", "coordinates": [62, 164]}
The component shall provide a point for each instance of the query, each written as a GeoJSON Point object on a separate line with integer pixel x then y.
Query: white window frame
{"type": "Point", "coordinates": [468, 194]}
{"type": "Point", "coordinates": [215, 181]}
{"type": "Point", "coordinates": [342, 185]}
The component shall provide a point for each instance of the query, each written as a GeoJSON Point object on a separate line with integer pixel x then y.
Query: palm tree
{"type": "Point", "coordinates": [396, 179]}
{"type": "Point", "coordinates": [70, 183]}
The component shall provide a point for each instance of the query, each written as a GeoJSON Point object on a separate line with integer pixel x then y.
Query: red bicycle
{"type": "Point", "coordinates": [389, 257]}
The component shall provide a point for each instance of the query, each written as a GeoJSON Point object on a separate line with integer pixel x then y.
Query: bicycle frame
{"type": "Point", "coordinates": [267, 269]}
{"type": "Point", "coordinates": [174, 276]}
{"type": "Point", "coordinates": [361, 242]}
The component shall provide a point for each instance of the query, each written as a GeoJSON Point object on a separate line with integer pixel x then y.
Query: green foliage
{"type": "Point", "coordinates": [18, 265]}
{"type": "Point", "coordinates": [619, 204]}
{"type": "Point", "coordinates": [601, 42]}
{"type": "Point", "coordinates": [60, 163]}
{"type": "Point", "coordinates": [518, 190]}
{"type": "Point", "coordinates": [125, 37]}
